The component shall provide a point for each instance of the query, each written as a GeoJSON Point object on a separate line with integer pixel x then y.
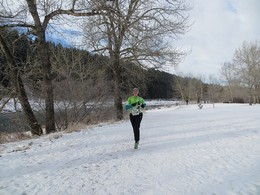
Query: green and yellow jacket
{"type": "Point", "coordinates": [135, 104]}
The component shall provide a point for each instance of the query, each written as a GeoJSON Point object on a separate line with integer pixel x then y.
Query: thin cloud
{"type": "Point", "coordinates": [219, 28]}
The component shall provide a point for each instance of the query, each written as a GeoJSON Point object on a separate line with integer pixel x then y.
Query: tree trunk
{"type": "Point", "coordinates": [48, 87]}
{"type": "Point", "coordinates": [231, 94]}
{"type": "Point", "coordinates": [32, 121]}
{"type": "Point", "coordinates": [180, 90]}
{"type": "Point", "coordinates": [44, 59]}
{"type": "Point", "coordinates": [19, 87]}
{"type": "Point", "coordinates": [117, 89]}
{"type": "Point", "coordinates": [118, 100]}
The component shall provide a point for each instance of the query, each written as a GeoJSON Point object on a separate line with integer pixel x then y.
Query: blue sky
{"type": "Point", "coordinates": [220, 27]}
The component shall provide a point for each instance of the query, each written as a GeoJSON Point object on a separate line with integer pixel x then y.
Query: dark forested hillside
{"type": "Point", "coordinates": [78, 66]}
{"type": "Point", "coordinates": [160, 85]}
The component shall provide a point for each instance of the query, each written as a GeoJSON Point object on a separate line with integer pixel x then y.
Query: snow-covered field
{"type": "Point", "coordinates": [183, 151]}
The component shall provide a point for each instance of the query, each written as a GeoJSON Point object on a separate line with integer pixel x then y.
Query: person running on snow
{"type": "Point", "coordinates": [135, 104]}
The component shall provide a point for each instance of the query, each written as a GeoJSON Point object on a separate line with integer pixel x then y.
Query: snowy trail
{"type": "Point", "coordinates": [183, 150]}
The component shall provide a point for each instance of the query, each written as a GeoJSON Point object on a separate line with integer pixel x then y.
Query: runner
{"type": "Point", "coordinates": [135, 104]}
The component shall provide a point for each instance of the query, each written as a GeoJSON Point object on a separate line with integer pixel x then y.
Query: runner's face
{"type": "Point", "coordinates": [135, 92]}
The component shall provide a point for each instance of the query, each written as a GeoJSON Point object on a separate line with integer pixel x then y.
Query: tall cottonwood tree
{"type": "Point", "coordinates": [139, 31]}
{"type": "Point", "coordinates": [247, 66]}
{"type": "Point", "coordinates": [244, 70]}
{"type": "Point", "coordinates": [35, 16]}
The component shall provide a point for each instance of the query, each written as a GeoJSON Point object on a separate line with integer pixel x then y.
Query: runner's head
{"type": "Point", "coordinates": [135, 91]}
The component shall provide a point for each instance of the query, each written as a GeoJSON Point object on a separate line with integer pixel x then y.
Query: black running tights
{"type": "Point", "coordinates": [136, 121]}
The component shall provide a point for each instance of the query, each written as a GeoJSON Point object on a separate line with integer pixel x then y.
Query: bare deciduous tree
{"type": "Point", "coordinates": [247, 66]}
{"type": "Point", "coordinates": [244, 71]}
{"type": "Point", "coordinates": [227, 71]}
{"type": "Point", "coordinates": [139, 31]}
{"type": "Point", "coordinates": [35, 16]}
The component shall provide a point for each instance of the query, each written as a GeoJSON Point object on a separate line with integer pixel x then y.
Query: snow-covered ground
{"type": "Point", "coordinates": [183, 151]}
